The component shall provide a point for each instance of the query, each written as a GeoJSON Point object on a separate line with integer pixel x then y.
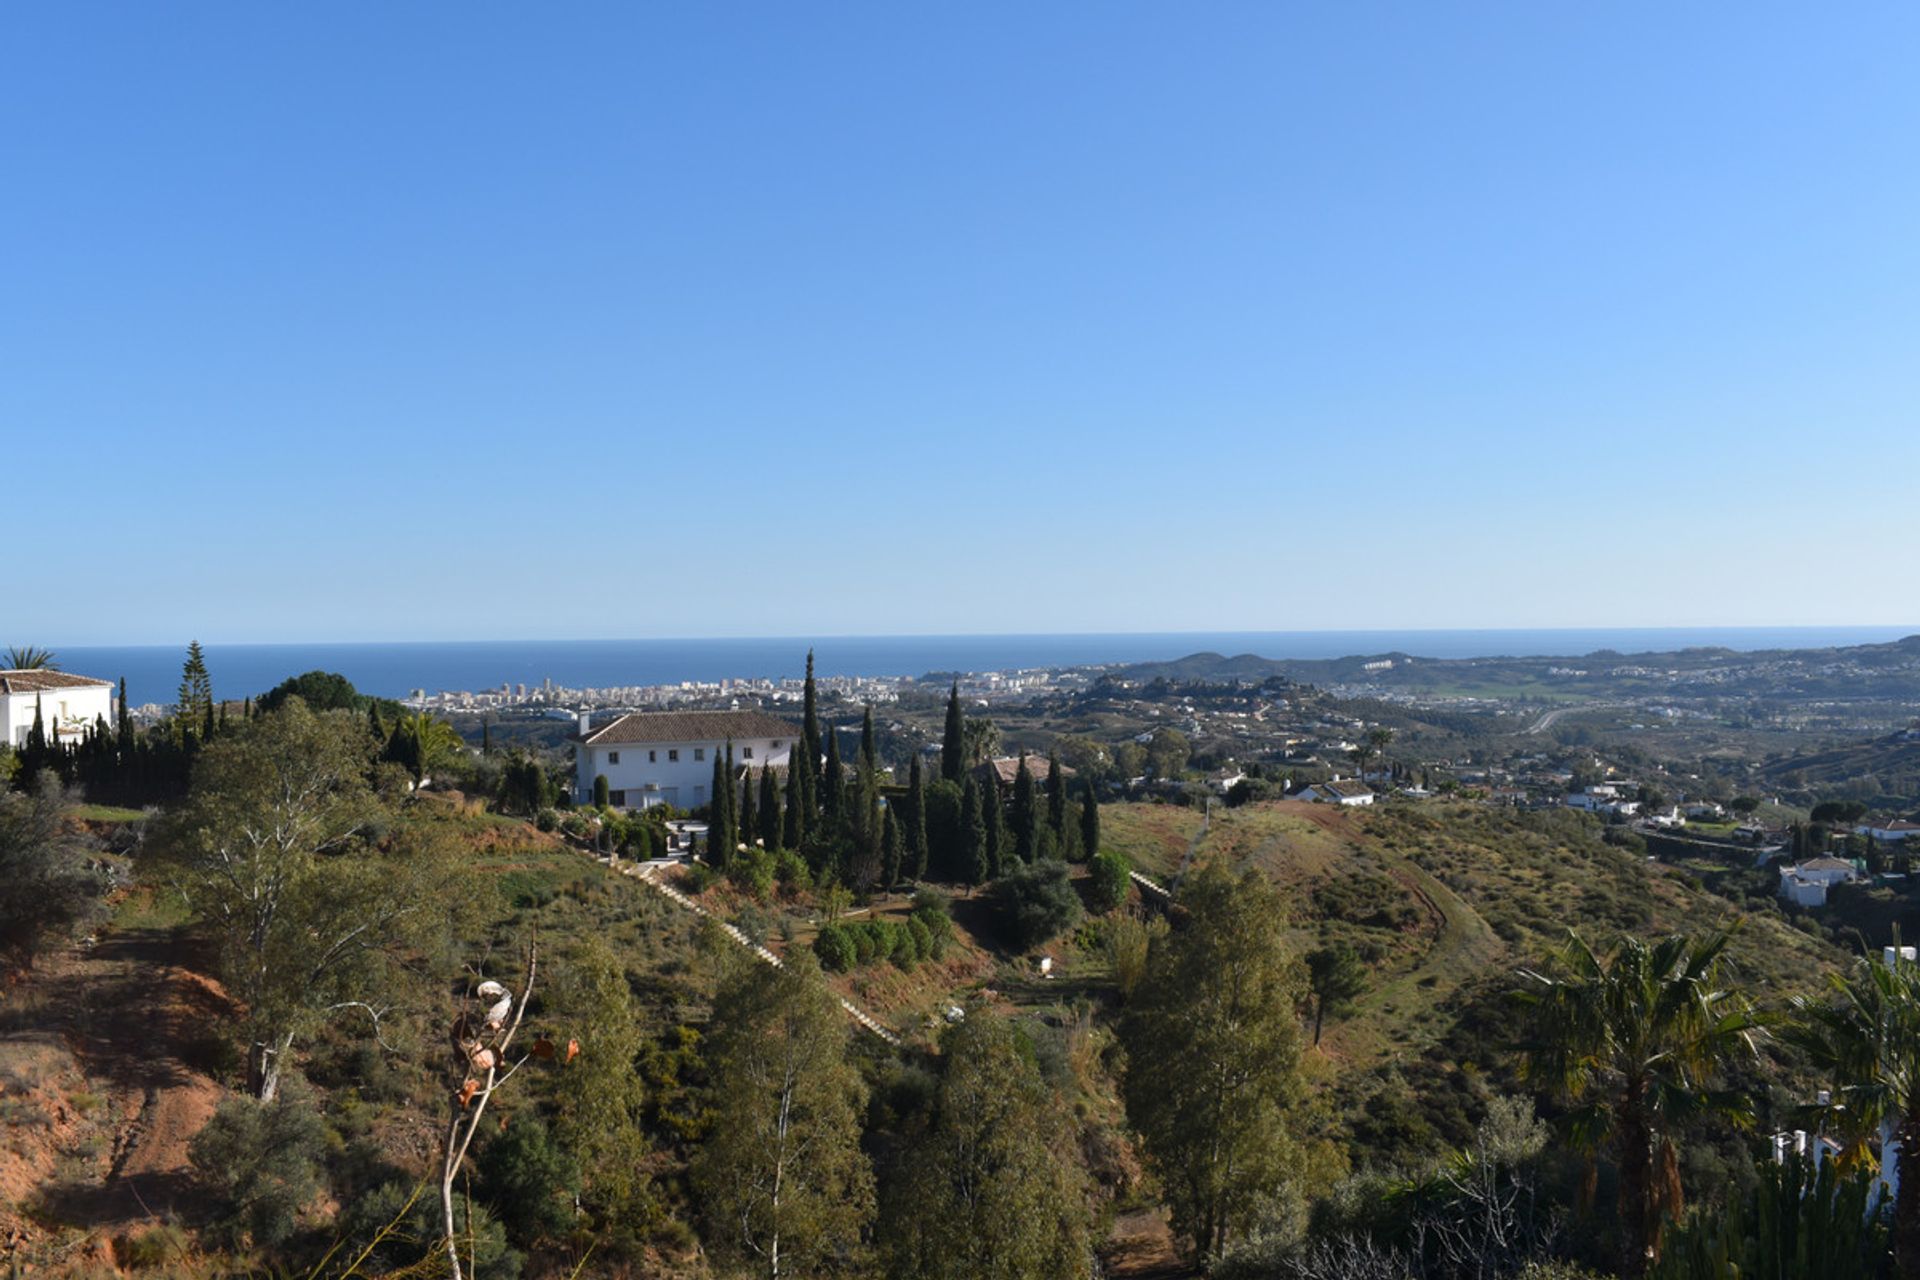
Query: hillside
{"type": "Point", "coordinates": [1444, 902]}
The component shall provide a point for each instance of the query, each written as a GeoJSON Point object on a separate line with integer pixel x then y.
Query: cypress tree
{"type": "Point", "coordinates": [37, 733]}
{"type": "Point", "coordinates": [1056, 799]}
{"type": "Point", "coordinates": [868, 755]}
{"type": "Point", "coordinates": [1026, 815]}
{"type": "Point", "coordinates": [375, 725]}
{"type": "Point", "coordinates": [601, 791]}
{"type": "Point", "coordinates": [810, 726]}
{"type": "Point", "coordinates": [720, 795]}
{"type": "Point", "coordinates": [206, 734]}
{"type": "Point", "coordinates": [994, 828]}
{"type": "Point", "coordinates": [916, 816]}
{"type": "Point", "coordinates": [126, 723]}
{"type": "Point", "coordinates": [486, 735]}
{"type": "Point", "coordinates": [831, 789]}
{"type": "Point", "coordinates": [749, 814]}
{"type": "Point", "coordinates": [792, 825]}
{"type": "Point", "coordinates": [892, 854]}
{"type": "Point", "coordinates": [953, 744]}
{"type": "Point", "coordinates": [973, 836]}
{"type": "Point", "coordinates": [1090, 823]}
{"type": "Point", "coordinates": [769, 809]}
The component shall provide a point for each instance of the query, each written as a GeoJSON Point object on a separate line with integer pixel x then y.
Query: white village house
{"type": "Point", "coordinates": [1806, 884]}
{"type": "Point", "coordinates": [666, 757]}
{"type": "Point", "coordinates": [68, 704]}
{"type": "Point", "coordinates": [1348, 793]}
{"type": "Point", "coordinates": [1888, 830]}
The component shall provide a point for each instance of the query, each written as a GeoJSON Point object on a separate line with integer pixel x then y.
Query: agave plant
{"type": "Point", "coordinates": [30, 658]}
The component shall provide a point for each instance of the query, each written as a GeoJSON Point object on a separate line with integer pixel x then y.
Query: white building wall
{"type": "Point", "coordinates": [676, 773]}
{"type": "Point", "coordinates": [73, 710]}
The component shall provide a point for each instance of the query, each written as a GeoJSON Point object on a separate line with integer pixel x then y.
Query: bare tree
{"type": "Point", "coordinates": [481, 1036]}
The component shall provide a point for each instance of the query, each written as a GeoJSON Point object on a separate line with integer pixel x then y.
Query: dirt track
{"type": "Point", "coordinates": [101, 1063]}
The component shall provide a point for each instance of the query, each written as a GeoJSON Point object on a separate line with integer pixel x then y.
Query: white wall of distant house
{"type": "Point", "coordinates": [74, 709]}
{"type": "Point", "coordinates": [675, 773]}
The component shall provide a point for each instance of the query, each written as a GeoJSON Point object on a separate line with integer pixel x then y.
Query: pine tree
{"type": "Point", "coordinates": [195, 699]}
{"type": "Point", "coordinates": [1026, 815]}
{"type": "Point", "coordinates": [973, 836]}
{"type": "Point", "coordinates": [916, 815]}
{"type": "Point", "coordinates": [1089, 822]}
{"type": "Point", "coordinates": [953, 744]}
{"type": "Point", "coordinates": [769, 809]}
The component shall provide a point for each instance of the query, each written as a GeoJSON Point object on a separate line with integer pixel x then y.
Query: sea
{"type": "Point", "coordinates": [395, 670]}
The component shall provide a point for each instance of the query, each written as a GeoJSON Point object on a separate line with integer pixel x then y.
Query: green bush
{"type": "Point", "coordinates": [257, 1165]}
{"type": "Point", "coordinates": [547, 820]}
{"type": "Point", "coordinates": [919, 938]}
{"type": "Point", "coordinates": [1035, 902]}
{"type": "Point", "coordinates": [790, 869]}
{"type": "Point", "coordinates": [530, 1181]}
{"type": "Point", "coordinates": [1110, 881]}
{"type": "Point", "coordinates": [753, 872]}
{"type": "Point", "coordinates": [835, 949]}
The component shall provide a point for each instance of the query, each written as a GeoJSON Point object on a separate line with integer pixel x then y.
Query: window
{"type": "Point", "coordinates": [653, 757]}
{"type": "Point", "coordinates": [699, 753]}
{"type": "Point", "coordinates": [618, 799]}
{"type": "Point", "coordinates": [776, 744]}
{"type": "Point", "coordinates": [746, 753]}
{"type": "Point", "coordinates": [672, 755]}
{"type": "Point", "coordinates": [613, 757]}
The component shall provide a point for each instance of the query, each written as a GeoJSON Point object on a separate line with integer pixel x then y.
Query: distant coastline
{"type": "Point", "coordinates": [395, 669]}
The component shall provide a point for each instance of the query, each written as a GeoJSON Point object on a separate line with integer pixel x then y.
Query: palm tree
{"type": "Point", "coordinates": [1867, 1038]}
{"type": "Point", "coordinates": [1631, 1042]}
{"type": "Point", "coordinates": [1379, 738]}
{"type": "Point", "coordinates": [30, 658]}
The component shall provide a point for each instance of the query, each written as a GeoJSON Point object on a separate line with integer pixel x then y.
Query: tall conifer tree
{"type": "Point", "coordinates": [793, 828]}
{"type": "Point", "coordinates": [869, 755]}
{"type": "Point", "coordinates": [749, 811]}
{"type": "Point", "coordinates": [1057, 799]}
{"type": "Point", "coordinates": [770, 831]}
{"type": "Point", "coordinates": [916, 816]}
{"type": "Point", "coordinates": [953, 743]}
{"type": "Point", "coordinates": [810, 727]}
{"type": "Point", "coordinates": [1090, 822]}
{"type": "Point", "coordinates": [1026, 815]}
{"type": "Point", "coordinates": [973, 836]}
{"type": "Point", "coordinates": [832, 793]}
{"type": "Point", "coordinates": [994, 827]}
{"type": "Point", "coordinates": [892, 850]}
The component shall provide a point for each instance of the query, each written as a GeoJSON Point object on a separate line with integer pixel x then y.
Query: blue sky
{"type": "Point", "coordinates": [418, 322]}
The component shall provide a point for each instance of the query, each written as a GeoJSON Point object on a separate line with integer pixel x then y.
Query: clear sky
{"type": "Point", "coordinates": [484, 320]}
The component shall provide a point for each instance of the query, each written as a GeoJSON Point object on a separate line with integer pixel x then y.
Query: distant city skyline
{"type": "Point", "coordinates": [443, 323]}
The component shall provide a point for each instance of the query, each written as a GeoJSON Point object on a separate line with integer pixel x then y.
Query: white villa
{"type": "Point", "coordinates": [1806, 884]}
{"type": "Point", "coordinates": [1348, 793]}
{"type": "Point", "coordinates": [666, 757]}
{"type": "Point", "coordinates": [69, 705]}
{"type": "Point", "coordinates": [1887, 831]}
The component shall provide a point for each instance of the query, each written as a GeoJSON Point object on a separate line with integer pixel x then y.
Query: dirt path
{"type": "Point", "coordinates": [103, 1051]}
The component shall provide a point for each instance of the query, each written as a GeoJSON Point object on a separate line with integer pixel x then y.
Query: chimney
{"type": "Point", "coordinates": [586, 722]}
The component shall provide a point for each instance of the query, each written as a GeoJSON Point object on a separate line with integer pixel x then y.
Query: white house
{"type": "Point", "coordinates": [1806, 884]}
{"type": "Point", "coordinates": [1887, 831]}
{"type": "Point", "coordinates": [1348, 793]}
{"type": "Point", "coordinates": [666, 757]}
{"type": "Point", "coordinates": [69, 705]}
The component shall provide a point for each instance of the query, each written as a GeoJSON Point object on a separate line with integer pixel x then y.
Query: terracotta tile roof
{"type": "Point", "coordinates": [39, 681]}
{"type": "Point", "coordinates": [690, 726]}
{"type": "Point", "coordinates": [1007, 769]}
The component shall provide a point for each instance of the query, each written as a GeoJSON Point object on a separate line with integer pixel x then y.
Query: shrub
{"type": "Point", "coordinates": [752, 872]}
{"type": "Point", "coordinates": [1035, 902]}
{"type": "Point", "coordinates": [790, 869]}
{"type": "Point", "coordinates": [546, 820]}
{"type": "Point", "coordinates": [1111, 872]}
{"type": "Point", "coordinates": [530, 1181]}
{"type": "Point", "coordinates": [919, 938]}
{"type": "Point", "coordinates": [835, 949]}
{"type": "Point", "coordinates": [930, 908]}
{"type": "Point", "coordinates": [257, 1164]}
